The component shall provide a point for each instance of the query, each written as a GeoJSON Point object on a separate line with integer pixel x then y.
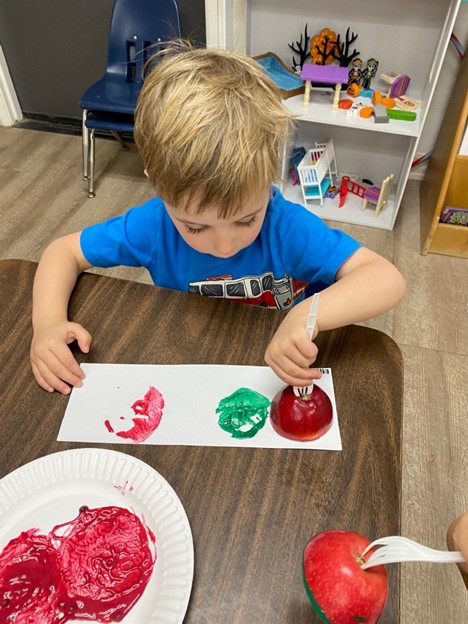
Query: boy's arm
{"type": "Point", "coordinates": [366, 285]}
{"type": "Point", "coordinates": [52, 361]}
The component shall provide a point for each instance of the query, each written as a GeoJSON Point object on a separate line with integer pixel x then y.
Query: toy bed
{"type": "Point", "coordinates": [316, 171]}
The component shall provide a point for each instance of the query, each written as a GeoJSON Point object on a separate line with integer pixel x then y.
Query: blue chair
{"type": "Point", "coordinates": [138, 28]}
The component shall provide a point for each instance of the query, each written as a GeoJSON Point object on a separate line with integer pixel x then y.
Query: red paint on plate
{"type": "Point", "coordinates": [95, 567]}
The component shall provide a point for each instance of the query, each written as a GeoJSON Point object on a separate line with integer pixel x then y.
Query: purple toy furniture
{"type": "Point", "coordinates": [328, 74]}
{"type": "Point", "coordinates": [378, 196]}
{"type": "Point", "coordinates": [398, 84]}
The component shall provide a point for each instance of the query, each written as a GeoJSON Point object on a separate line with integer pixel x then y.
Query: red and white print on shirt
{"type": "Point", "coordinates": [262, 290]}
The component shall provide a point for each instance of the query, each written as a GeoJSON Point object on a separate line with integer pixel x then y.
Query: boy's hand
{"type": "Point", "coordinates": [53, 364]}
{"type": "Point", "coordinates": [290, 352]}
{"type": "Point", "coordinates": [457, 539]}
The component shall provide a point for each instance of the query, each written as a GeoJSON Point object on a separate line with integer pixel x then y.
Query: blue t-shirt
{"type": "Point", "coordinates": [293, 249]}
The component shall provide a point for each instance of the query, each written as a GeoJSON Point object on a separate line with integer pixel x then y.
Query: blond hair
{"type": "Point", "coordinates": [211, 127]}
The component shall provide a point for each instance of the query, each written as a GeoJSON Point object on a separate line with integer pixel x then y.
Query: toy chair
{"type": "Point", "coordinates": [138, 28]}
{"type": "Point", "coordinates": [378, 196]}
{"type": "Point", "coordinates": [398, 83]}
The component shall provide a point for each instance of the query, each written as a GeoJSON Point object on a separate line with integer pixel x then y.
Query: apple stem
{"type": "Point", "coordinates": [361, 560]}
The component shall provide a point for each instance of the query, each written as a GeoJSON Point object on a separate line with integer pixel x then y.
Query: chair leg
{"type": "Point", "coordinates": [90, 164]}
{"type": "Point", "coordinates": [84, 144]}
{"type": "Point", "coordinates": [364, 204]}
{"type": "Point", "coordinates": [118, 137]}
{"type": "Point", "coordinates": [380, 207]}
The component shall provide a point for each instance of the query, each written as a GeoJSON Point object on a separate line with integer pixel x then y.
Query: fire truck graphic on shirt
{"type": "Point", "coordinates": [262, 290]}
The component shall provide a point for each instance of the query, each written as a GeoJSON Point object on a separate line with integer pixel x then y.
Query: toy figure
{"type": "Point", "coordinates": [369, 72]}
{"type": "Point", "coordinates": [332, 192]}
{"type": "Point", "coordinates": [355, 74]}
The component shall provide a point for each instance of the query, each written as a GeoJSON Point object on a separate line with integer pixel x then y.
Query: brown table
{"type": "Point", "coordinates": [251, 510]}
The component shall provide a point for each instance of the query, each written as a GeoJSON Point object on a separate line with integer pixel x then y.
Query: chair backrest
{"type": "Point", "coordinates": [137, 26]}
{"type": "Point", "coordinates": [384, 193]}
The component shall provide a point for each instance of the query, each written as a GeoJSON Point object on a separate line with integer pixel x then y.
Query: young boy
{"type": "Point", "coordinates": [211, 129]}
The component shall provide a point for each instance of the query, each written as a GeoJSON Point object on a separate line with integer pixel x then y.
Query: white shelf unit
{"type": "Point", "coordinates": [405, 37]}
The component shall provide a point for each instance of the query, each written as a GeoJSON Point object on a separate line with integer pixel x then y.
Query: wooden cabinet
{"type": "Point", "coordinates": [407, 37]}
{"type": "Point", "coordinates": [446, 180]}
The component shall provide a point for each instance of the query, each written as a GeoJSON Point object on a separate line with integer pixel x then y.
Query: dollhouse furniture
{"type": "Point", "coordinates": [378, 196]}
{"type": "Point", "coordinates": [414, 41]}
{"type": "Point", "coordinates": [398, 84]}
{"type": "Point", "coordinates": [287, 81]}
{"type": "Point", "coordinates": [323, 74]}
{"type": "Point", "coordinates": [316, 171]}
{"type": "Point", "coordinates": [349, 186]}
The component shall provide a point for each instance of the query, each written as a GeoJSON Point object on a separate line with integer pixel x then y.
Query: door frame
{"type": "Point", "coordinates": [10, 109]}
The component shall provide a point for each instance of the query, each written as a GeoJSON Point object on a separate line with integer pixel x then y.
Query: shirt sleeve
{"type": "Point", "coordinates": [128, 240]}
{"type": "Point", "coordinates": [313, 251]}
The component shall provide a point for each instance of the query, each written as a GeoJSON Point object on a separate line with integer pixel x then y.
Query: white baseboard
{"type": "Point", "coordinates": [10, 110]}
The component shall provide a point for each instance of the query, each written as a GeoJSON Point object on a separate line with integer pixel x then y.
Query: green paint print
{"type": "Point", "coordinates": [313, 602]}
{"type": "Point", "coordinates": [243, 413]}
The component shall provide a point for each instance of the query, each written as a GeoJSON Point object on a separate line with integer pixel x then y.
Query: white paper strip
{"type": "Point", "coordinates": [191, 395]}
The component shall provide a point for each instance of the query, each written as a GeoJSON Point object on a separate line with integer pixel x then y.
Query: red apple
{"type": "Point", "coordinates": [301, 418]}
{"type": "Point", "coordinates": [340, 591]}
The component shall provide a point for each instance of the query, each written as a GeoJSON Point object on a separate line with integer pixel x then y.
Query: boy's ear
{"type": "Point", "coordinates": [146, 173]}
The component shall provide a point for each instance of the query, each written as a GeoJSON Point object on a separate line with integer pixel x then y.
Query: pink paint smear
{"type": "Point", "coordinates": [148, 413]}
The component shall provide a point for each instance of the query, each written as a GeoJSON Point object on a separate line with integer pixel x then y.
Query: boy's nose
{"type": "Point", "coordinates": [224, 245]}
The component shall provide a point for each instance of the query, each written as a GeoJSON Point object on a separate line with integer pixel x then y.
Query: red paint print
{"type": "Point", "coordinates": [148, 413]}
{"type": "Point", "coordinates": [109, 427]}
{"type": "Point", "coordinates": [95, 567]}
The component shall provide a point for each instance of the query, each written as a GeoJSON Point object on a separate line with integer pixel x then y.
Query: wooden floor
{"type": "Point", "coordinates": [42, 196]}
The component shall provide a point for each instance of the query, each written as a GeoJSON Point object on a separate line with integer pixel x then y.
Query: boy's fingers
{"type": "Point", "coordinates": [457, 539]}
{"type": "Point", "coordinates": [295, 364]}
{"type": "Point", "coordinates": [58, 375]}
{"type": "Point", "coordinates": [63, 360]}
{"type": "Point", "coordinates": [293, 375]}
{"type": "Point", "coordinates": [81, 335]}
{"type": "Point", "coordinates": [51, 382]}
{"type": "Point", "coordinates": [40, 379]}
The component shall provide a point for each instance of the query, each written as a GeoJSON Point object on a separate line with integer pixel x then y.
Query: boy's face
{"type": "Point", "coordinates": [222, 238]}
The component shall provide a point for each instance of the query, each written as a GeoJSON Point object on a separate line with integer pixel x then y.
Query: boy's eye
{"type": "Point", "coordinates": [192, 230]}
{"type": "Point", "coordinates": [249, 222]}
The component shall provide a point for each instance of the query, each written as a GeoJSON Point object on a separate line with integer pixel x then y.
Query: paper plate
{"type": "Point", "coordinates": [51, 489]}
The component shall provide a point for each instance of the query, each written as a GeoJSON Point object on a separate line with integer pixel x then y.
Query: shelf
{"type": "Point", "coordinates": [351, 211]}
{"type": "Point", "coordinates": [444, 182]}
{"type": "Point", "coordinates": [450, 240]}
{"type": "Point", "coordinates": [406, 37]}
{"type": "Point", "coordinates": [320, 111]}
